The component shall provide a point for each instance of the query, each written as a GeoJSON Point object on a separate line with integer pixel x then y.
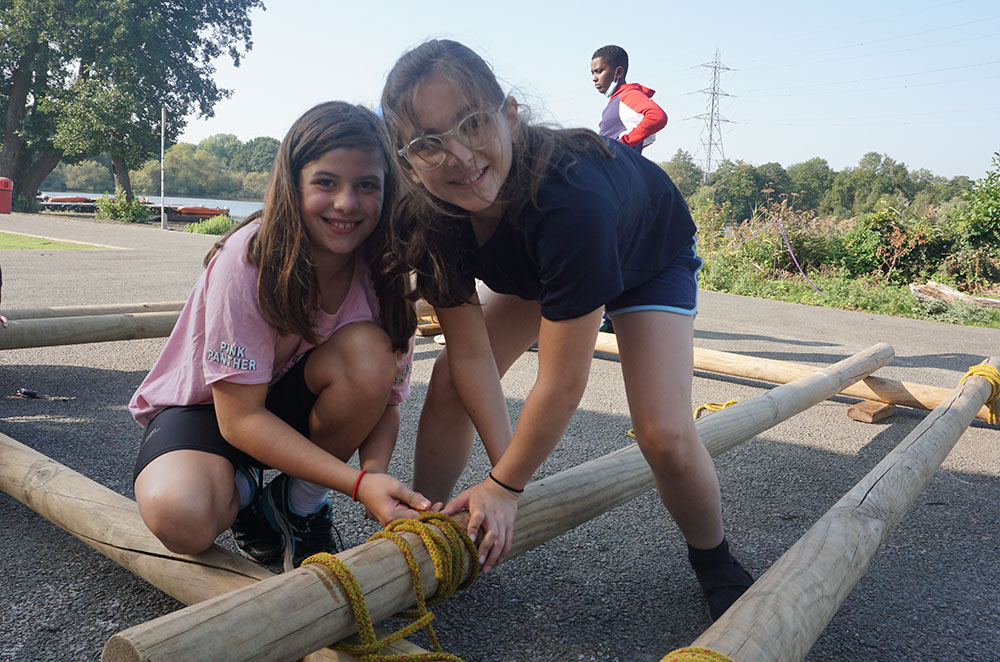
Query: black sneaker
{"type": "Point", "coordinates": [723, 585]}
{"type": "Point", "coordinates": [304, 535]}
{"type": "Point", "coordinates": [255, 539]}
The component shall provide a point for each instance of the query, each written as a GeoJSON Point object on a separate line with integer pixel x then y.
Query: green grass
{"type": "Point", "coordinates": [839, 292]}
{"type": "Point", "coordinates": [20, 242]}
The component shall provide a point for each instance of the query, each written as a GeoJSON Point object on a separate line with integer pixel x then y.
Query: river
{"type": "Point", "coordinates": [237, 208]}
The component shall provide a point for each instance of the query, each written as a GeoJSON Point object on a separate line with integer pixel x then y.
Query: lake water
{"type": "Point", "coordinates": [237, 208]}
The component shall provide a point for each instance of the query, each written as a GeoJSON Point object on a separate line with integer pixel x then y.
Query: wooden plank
{"type": "Point", "coordinates": [881, 389]}
{"type": "Point", "coordinates": [99, 309]}
{"type": "Point", "coordinates": [286, 617]}
{"type": "Point", "coordinates": [784, 612]}
{"type": "Point", "coordinates": [49, 332]}
{"type": "Point", "coordinates": [870, 411]}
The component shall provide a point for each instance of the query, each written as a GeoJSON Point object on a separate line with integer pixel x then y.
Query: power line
{"type": "Point", "coordinates": [711, 139]}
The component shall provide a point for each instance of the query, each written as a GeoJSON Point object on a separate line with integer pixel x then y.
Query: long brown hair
{"type": "Point", "coordinates": [287, 285]}
{"type": "Point", "coordinates": [423, 233]}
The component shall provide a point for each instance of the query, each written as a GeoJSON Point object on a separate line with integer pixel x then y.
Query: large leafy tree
{"type": "Point", "coordinates": [685, 172]}
{"type": "Point", "coordinates": [86, 76]}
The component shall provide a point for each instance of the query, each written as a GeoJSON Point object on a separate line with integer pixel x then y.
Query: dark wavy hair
{"type": "Point", "coordinates": [287, 285]}
{"type": "Point", "coordinates": [424, 235]}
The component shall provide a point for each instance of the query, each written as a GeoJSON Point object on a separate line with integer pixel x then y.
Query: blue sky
{"type": "Point", "coordinates": [918, 81]}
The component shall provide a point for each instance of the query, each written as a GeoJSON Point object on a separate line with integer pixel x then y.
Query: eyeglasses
{"type": "Point", "coordinates": [474, 132]}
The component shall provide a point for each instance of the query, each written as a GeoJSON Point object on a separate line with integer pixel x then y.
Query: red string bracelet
{"type": "Point", "coordinates": [354, 492]}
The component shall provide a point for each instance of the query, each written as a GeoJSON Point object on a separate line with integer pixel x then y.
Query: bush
{"type": "Point", "coordinates": [117, 208]}
{"type": "Point", "coordinates": [216, 225]}
{"type": "Point", "coordinates": [979, 220]}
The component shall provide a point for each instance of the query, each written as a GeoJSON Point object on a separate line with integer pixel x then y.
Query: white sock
{"type": "Point", "coordinates": [304, 497]}
{"type": "Point", "coordinates": [244, 487]}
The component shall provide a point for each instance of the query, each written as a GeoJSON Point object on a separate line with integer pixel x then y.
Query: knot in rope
{"type": "Point", "coordinates": [992, 375]}
{"type": "Point", "coordinates": [449, 547]}
{"type": "Point", "coordinates": [695, 654]}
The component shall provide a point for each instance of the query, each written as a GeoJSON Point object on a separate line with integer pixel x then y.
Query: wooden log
{"type": "Point", "coordinates": [286, 617]}
{"type": "Point", "coordinates": [785, 611]}
{"type": "Point", "coordinates": [870, 411]}
{"type": "Point", "coordinates": [111, 524]}
{"type": "Point", "coordinates": [881, 389]}
{"type": "Point", "coordinates": [99, 309]}
{"type": "Point", "coordinates": [88, 328]}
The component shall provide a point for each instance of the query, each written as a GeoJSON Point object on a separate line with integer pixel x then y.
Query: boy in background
{"type": "Point", "coordinates": [631, 116]}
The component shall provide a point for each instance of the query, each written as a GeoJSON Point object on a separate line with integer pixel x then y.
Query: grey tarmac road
{"type": "Point", "coordinates": [617, 588]}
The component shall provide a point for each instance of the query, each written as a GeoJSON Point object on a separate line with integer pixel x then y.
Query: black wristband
{"type": "Point", "coordinates": [506, 487]}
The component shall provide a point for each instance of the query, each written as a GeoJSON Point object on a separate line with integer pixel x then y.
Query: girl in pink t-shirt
{"type": "Point", "coordinates": [292, 352]}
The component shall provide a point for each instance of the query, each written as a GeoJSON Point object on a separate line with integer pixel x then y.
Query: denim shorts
{"type": "Point", "coordinates": [673, 290]}
{"type": "Point", "coordinates": [195, 427]}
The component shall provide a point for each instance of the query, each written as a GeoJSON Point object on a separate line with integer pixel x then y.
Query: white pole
{"type": "Point", "coordinates": [163, 124]}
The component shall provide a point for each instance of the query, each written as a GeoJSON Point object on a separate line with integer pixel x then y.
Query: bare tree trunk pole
{"type": "Point", "coordinates": [99, 309]}
{"type": "Point", "coordinates": [879, 389]}
{"type": "Point", "coordinates": [110, 523]}
{"type": "Point", "coordinates": [288, 616]}
{"type": "Point", "coordinates": [785, 611]}
{"type": "Point", "coordinates": [90, 328]}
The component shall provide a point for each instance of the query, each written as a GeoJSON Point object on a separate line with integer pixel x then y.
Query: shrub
{"type": "Point", "coordinates": [117, 208]}
{"type": "Point", "coordinates": [979, 220]}
{"type": "Point", "coordinates": [216, 225]}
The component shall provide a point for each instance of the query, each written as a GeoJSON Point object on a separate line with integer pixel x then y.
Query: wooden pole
{"type": "Point", "coordinates": [89, 328]}
{"type": "Point", "coordinates": [879, 389]}
{"type": "Point", "coordinates": [111, 524]}
{"type": "Point", "coordinates": [784, 612]}
{"type": "Point", "coordinates": [288, 616]}
{"type": "Point", "coordinates": [99, 309]}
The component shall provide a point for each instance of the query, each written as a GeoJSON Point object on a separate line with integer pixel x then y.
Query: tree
{"type": "Point", "coordinates": [685, 172]}
{"type": "Point", "coordinates": [222, 146]}
{"type": "Point", "coordinates": [811, 181]}
{"type": "Point", "coordinates": [67, 64]}
{"type": "Point", "coordinates": [740, 185]}
{"type": "Point", "coordinates": [858, 190]}
{"type": "Point", "coordinates": [256, 155]}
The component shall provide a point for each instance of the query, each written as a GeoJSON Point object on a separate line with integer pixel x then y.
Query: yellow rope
{"type": "Point", "coordinates": [708, 406]}
{"type": "Point", "coordinates": [695, 654]}
{"type": "Point", "coordinates": [992, 375]}
{"type": "Point", "coordinates": [449, 553]}
{"type": "Point", "coordinates": [713, 406]}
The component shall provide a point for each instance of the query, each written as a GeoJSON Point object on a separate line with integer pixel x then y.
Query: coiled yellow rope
{"type": "Point", "coordinates": [449, 553]}
{"type": "Point", "coordinates": [708, 406]}
{"type": "Point", "coordinates": [695, 654]}
{"type": "Point", "coordinates": [992, 375]}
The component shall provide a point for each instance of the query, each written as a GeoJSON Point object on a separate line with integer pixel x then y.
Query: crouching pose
{"type": "Point", "coordinates": [560, 224]}
{"type": "Point", "coordinates": [292, 352]}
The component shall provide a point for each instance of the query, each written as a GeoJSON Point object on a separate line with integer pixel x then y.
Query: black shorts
{"type": "Point", "coordinates": [196, 427]}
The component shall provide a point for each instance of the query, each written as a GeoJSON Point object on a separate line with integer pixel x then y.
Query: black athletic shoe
{"type": "Point", "coordinates": [723, 585]}
{"type": "Point", "coordinates": [255, 539]}
{"type": "Point", "coordinates": [304, 535]}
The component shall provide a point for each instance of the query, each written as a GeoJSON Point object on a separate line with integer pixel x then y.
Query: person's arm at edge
{"type": "Point", "coordinates": [654, 118]}
{"type": "Point", "coordinates": [249, 426]}
{"type": "Point", "coordinates": [565, 352]}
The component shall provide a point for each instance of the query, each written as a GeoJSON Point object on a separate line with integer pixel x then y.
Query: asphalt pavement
{"type": "Point", "coordinates": [616, 588]}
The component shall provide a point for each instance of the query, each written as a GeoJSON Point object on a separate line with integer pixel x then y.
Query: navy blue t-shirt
{"type": "Point", "coordinates": [603, 226]}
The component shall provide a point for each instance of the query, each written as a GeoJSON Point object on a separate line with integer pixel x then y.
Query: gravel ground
{"type": "Point", "coordinates": [617, 588]}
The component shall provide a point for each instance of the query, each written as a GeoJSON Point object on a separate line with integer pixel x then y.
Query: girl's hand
{"type": "Point", "coordinates": [494, 508]}
{"type": "Point", "coordinates": [387, 499]}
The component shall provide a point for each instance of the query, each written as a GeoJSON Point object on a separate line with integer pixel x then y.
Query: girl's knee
{"type": "Point", "coordinates": [668, 446]}
{"type": "Point", "coordinates": [360, 355]}
{"type": "Point", "coordinates": [184, 523]}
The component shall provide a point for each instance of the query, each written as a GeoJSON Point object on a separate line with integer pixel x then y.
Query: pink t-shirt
{"type": "Point", "coordinates": [222, 335]}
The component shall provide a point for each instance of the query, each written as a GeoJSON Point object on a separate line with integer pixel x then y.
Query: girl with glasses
{"type": "Point", "coordinates": [559, 224]}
